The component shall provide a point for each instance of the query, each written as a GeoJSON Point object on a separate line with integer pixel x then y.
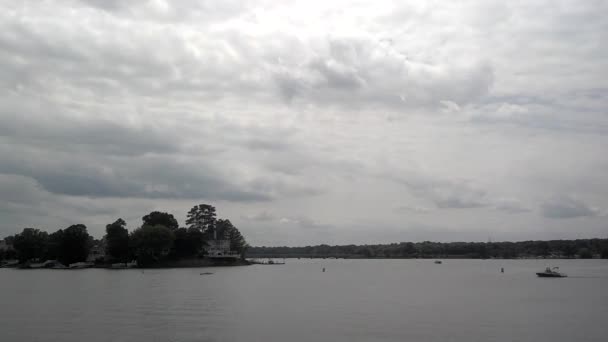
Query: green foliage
{"type": "Point", "coordinates": [55, 245]}
{"type": "Point", "coordinates": [9, 253]}
{"type": "Point", "coordinates": [428, 249]}
{"type": "Point", "coordinates": [188, 242]}
{"type": "Point", "coordinates": [30, 244]}
{"type": "Point", "coordinates": [9, 239]}
{"type": "Point", "coordinates": [158, 238]}
{"type": "Point", "coordinates": [569, 249]}
{"type": "Point", "coordinates": [73, 244]}
{"type": "Point", "coordinates": [585, 253]}
{"type": "Point", "coordinates": [226, 230]}
{"type": "Point", "coordinates": [604, 251]}
{"type": "Point", "coordinates": [68, 246]}
{"type": "Point", "coordinates": [117, 241]}
{"type": "Point", "coordinates": [157, 218]}
{"type": "Point", "coordinates": [151, 244]}
{"type": "Point", "coordinates": [202, 217]}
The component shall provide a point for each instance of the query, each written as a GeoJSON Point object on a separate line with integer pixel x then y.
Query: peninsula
{"type": "Point", "coordinates": [158, 242]}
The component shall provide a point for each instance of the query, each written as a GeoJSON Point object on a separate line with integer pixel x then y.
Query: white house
{"type": "Point", "coordinates": [97, 252]}
{"type": "Point", "coordinates": [218, 248]}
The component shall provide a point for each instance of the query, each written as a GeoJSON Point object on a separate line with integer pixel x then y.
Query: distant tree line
{"type": "Point", "coordinates": [158, 238]}
{"type": "Point", "coordinates": [583, 248]}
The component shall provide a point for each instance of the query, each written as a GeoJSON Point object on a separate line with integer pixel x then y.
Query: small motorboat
{"type": "Point", "coordinates": [551, 273]}
{"type": "Point", "coordinates": [438, 262]}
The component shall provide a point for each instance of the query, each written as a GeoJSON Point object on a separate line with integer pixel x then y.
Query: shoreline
{"type": "Point", "coordinates": [186, 263]}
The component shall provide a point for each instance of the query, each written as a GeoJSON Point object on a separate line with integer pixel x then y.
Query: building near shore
{"type": "Point", "coordinates": [220, 249]}
{"type": "Point", "coordinates": [97, 252]}
{"type": "Point", "coordinates": [5, 246]}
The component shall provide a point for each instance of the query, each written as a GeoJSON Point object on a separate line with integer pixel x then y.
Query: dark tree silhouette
{"type": "Point", "coordinates": [117, 241]}
{"type": "Point", "coordinates": [30, 244]}
{"type": "Point", "coordinates": [202, 217]}
{"type": "Point", "coordinates": [427, 249]}
{"type": "Point", "coordinates": [74, 244]}
{"type": "Point", "coordinates": [160, 218]}
{"type": "Point", "coordinates": [188, 242]}
{"type": "Point", "coordinates": [55, 245]}
{"type": "Point", "coordinates": [151, 244]}
{"type": "Point", "coordinates": [226, 230]}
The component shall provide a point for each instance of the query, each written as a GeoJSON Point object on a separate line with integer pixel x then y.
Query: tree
{"type": "Point", "coordinates": [117, 241]}
{"type": "Point", "coordinates": [543, 249]}
{"type": "Point", "coordinates": [226, 230]}
{"type": "Point", "coordinates": [407, 249]}
{"type": "Point", "coordinates": [9, 240]}
{"type": "Point", "coordinates": [160, 218]}
{"type": "Point", "coordinates": [9, 252]}
{"type": "Point", "coordinates": [202, 217]}
{"type": "Point", "coordinates": [223, 227]}
{"type": "Point", "coordinates": [569, 249]}
{"type": "Point", "coordinates": [55, 246]}
{"type": "Point", "coordinates": [604, 251]}
{"type": "Point", "coordinates": [151, 243]}
{"type": "Point", "coordinates": [188, 242]}
{"type": "Point", "coordinates": [30, 244]}
{"type": "Point", "coordinates": [585, 253]}
{"type": "Point", "coordinates": [74, 243]}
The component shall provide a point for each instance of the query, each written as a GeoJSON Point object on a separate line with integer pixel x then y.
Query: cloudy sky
{"type": "Point", "coordinates": [308, 122]}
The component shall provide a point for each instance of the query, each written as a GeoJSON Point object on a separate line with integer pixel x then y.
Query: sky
{"type": "Point", "coordinates": [308, 122]}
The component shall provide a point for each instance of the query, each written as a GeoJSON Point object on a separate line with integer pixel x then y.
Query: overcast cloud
{"type": "Point", "coordinates": [308, 121]}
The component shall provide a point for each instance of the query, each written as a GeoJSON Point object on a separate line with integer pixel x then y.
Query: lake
{"type": "Point", "coordinates": [354, 300]}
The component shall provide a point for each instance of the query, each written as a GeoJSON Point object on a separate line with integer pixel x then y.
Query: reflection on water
{"type": "Point", "coordinates": [354, 300]}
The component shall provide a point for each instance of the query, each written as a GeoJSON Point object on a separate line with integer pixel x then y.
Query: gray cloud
{"type": "Point", "coordinates": [359, 72]}
{"type": "Point", "coordinates": [26, 204]}
{"type": "Point", "coordinates": [324, 114]}
{"type": "Point", "coordinates": [566, 208]}
{"type": "Point", "coordinates": [148, 177]}
{"type": "Point", "coordinates": [77, 135]}
{"type": "Point", "coordinates": [542, 117]}
{"type": "Point", "coordinates": [444, 193]}
{"type": "Point", "coordinates": [262, 216]}
{"type": "Point", "coordinates": [411, 209]}
{"type": "Point", "coordinates": [511, 206]}
{"type": "Point", "coordinates": [305, 223]}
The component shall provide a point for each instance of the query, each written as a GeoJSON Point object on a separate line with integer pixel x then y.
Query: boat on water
{"type": "Point", "coordinates": [54, 264]}
{"type": "Point", "coordinates": [80, 265]}
{"type": "Point", "coordinates": [9, 264]}
{"type": "Point", "coordinates": [438, 261]}
{"type": "Point", "coordinates": [551, 273]}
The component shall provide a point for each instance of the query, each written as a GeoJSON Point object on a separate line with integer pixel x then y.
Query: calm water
{"type": "Point", "coordinates": [354, 300]}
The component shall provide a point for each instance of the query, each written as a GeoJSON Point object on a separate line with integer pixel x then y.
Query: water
{"type": "Point", "coordinates": [354, 300]}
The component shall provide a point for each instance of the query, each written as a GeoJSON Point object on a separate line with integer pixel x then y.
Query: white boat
{"type": "Point", "coordinates": [551, 273]}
